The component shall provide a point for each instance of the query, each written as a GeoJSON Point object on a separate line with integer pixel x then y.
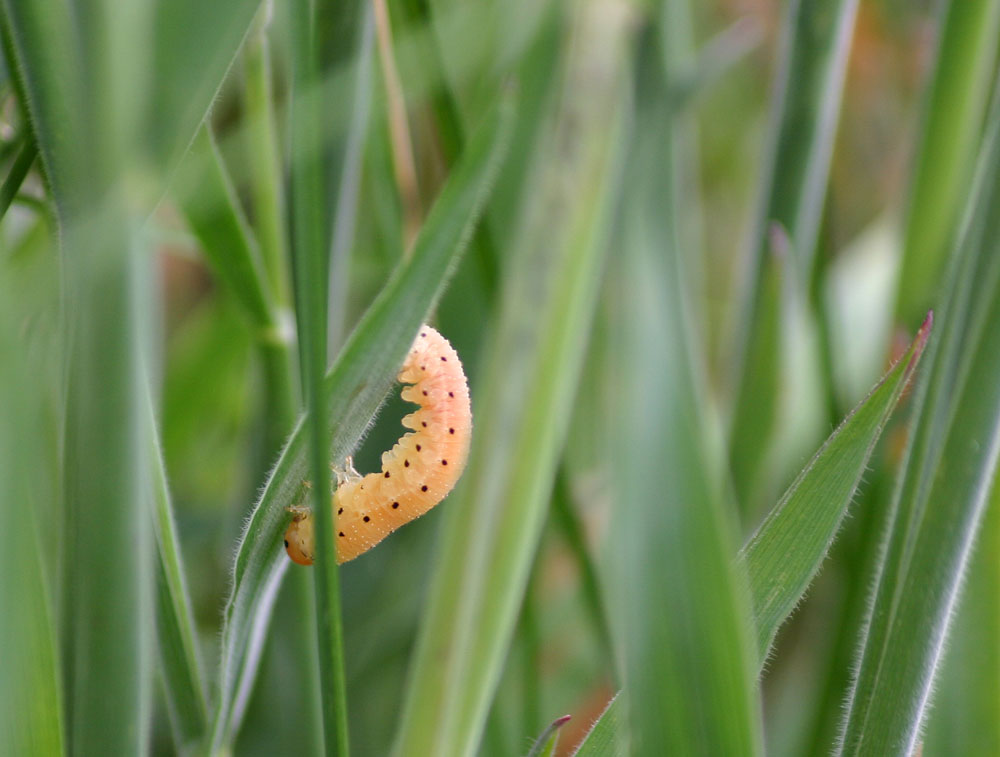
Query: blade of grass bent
{"type": "Point", "coordinates": [938, 505]}
{"type": "Point", "coordinates": [522, 410]}
{"type": "Point", "coordinates": [786, 551]}
{"type": "Point", "coordinates": [355, 387]}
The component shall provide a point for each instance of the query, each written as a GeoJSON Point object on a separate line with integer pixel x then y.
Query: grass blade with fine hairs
{"type": "Point", "coordinates": [607, 737]}
{"type": "Point", "coordinates": [495, 517]}
{"type": "Point", "coordinates": [939, 503]}
{"type": "Point", "coordinates": [183, 683]}
{"type": "Point", "coordinates": [355, 387]}
{"type": "Point", "coordinates": [964, 719]}
{"type": "Point", "coordinates": [785, 553]}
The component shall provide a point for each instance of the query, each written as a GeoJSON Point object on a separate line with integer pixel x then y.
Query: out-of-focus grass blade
{"type": "Point", "coordinates": [953, 111]}
{"type": "Point", "coordinates": [523, 405]}
{"type": "Point", "coordinates": [679, 606]}
{"type": "Point", "coordinates": [41, 42]}
{"type": "Point", "coordinates": [30, 691]}
{"type": "Point", "coordinates": [194, 45]}
{"type": "Point", "coordinates": [178, 646]}
{"type": "Point", "coordinates": [607, 737]}
{"type": "Point", "coordinates": [938, 506]}
{"type": "Point", "coordinates": [313, 196]}
{"type": "Point", "coordinates": [545, 745]}
{"type": "Point", "coordinates": [264, 159]}
{"type": "Point", "coordinates": [964, 719]}
{"type": "Point", "coordinates": [355, 386]}
{"type": "Point", "coordinates": [805, 106]}
{"type": "Point", "coordinates": [208, 199]}
{"type": "Point", "coordinates": [785, 553]}
{"type": "Point", "coordinates": [15, 177]}
{"type": "Point", "coordinates": [83, 105]}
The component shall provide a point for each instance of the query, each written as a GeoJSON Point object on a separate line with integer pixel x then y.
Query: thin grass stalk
{"type": "Point", "coordinates": [310, 196]}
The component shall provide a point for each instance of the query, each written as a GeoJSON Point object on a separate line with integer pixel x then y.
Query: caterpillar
{"type": "Point", "coordinates": [417, 473]}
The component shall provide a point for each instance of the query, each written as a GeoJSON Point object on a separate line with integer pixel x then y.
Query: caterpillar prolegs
{"type": "Point", "coordinates": [417, 473]}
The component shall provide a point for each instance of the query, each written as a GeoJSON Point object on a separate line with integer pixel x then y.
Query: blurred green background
{"type": "Point", "coordinates": [674, 244]}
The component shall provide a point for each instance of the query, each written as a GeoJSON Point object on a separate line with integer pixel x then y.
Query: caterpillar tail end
{"type": "Point", "coordinates": [300, 538]}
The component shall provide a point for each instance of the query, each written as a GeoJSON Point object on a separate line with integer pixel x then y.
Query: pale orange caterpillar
{"type": "Point", "coordinates": [417, 473]}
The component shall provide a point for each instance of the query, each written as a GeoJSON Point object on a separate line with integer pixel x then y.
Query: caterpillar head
{"type": "Point", "coordinates": [300, 539]}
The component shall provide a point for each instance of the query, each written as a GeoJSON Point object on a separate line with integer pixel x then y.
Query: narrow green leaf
{"type": "Point", "coordinates": [194, 44]}
{"type": "Point", "coordinates": [681, 621]}
{"type": "Point", "coordinates": [523, 402]}
{"type": "Point", "coordinates": [15, 177]}
{"type": "Point", "coordinates": [545, 745]}
{"type": "Point", "coordinates": [787, 549]}
{"type": "Point", "coordinates": [30, 691]}
{"type": "Point", "coordinates": [355, 387]}
{"type": "Point", "coordinates": [964, 719]}
{"type": "Point", "coordinates": [264, 159]}
{"type": "Point", "coordinates": [805, 106]}
{"type": "Point", "coordinates": [312, 196]}
{"type": "Point", "coordinates": [175, 631]}
{"type": "Point", "coordinates": [939, 503]}
{"type": "Point", "coordinates": [953, 112]}
{"type": "Point", "coordinates": [607, 737]}
{"type": "Point", "coordinates": [207, 197]}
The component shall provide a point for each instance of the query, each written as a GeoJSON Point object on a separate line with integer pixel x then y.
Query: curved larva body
{"type": "Point", "coordinates": [417, 473]}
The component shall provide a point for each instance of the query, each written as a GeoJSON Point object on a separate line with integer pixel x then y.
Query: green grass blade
{"type": "Point", "coordinates": [953, 113]}
{"type": "Point", "coordinates": [940, 500]}
{"type": "Point", "coordinates": [607, 737]}
{"type": "Point", "coordinates": [570, 529]}
{"type": "Point", "coordinates": [43, 46]}
{"type": "Point", "coordinates": [206, 194]}
{"type": "Point", "coordinates": [355, 387]}
{"type": "Point", "coordinates": [30, 691]}
{"type": "Point", "coordinates": [183, 682]}
{"type": "Point", "coordinates": [207, 197]}
{"type": "Point", "coordinates": [545, 744]}
{"type": "Point", "coordinates": [264, 159]}
{"type": "Point", "coordinates": [15, 177]}
{"type": "Point", "coordinates": [964, 719]}
{"type": "Point", "coordinates": [805, 107]}
{"type": "Point", "coordinates": [785, 553]}
{"type": "Point", "coordinates": [495, 517]}
{"type": "Point", "coordinates": [684, 634]}
{"type": "Point", "coordinates": [186, 83]}
{"type": "Point", "coordinates": [311, 197]}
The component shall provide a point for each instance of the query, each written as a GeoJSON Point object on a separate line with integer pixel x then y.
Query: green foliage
{"type": "Point", "coordinates": [213, 259]}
